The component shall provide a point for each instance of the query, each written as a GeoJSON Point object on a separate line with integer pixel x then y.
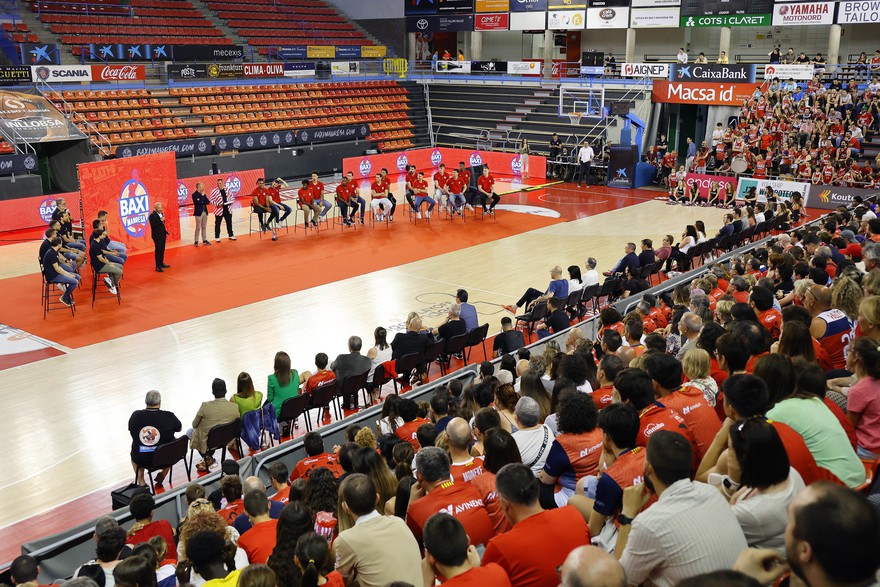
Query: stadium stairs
{"type": "Point", "coordinates": [418, 114]}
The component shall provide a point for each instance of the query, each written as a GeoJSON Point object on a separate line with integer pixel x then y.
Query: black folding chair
{"type": "Point", "coordinates": [454, 345]}
{"type": "Point", "coordinates": [432, 354]}
{"type": "Point", "coordinates": [350, 388]}
{"type": "Point", "coordinates": [529, 320]}
{"type": "Point", "coordinates": [293, 408]}
{"type": "Point", "coordinates": [324, 396]}
{"type": "Point", "coordinates": [219, 437]}
{"type": "Point", "coordinates": [572, 303]}
{"type": "Point", "coordinates": [477, 336]}
{"type": "Point", "coordinates": [405, 366]}
{"type": "Point", "coordinates": [165, 457]}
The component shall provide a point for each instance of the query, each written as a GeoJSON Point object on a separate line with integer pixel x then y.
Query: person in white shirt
{"type": "Point", "coordinates": [682, 56]}
{"type": "Point", "coordinates": [533, 438]}
{"type": "Point", "coordinates": [585, 158]}
{"type": "Point", "coordinates": [717, 135]}
{"type": "Point", "coordinates": [591, 276]}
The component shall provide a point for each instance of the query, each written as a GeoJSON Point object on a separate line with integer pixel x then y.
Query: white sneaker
{"type": "Point", "coordinates": [108, 281]}
{"type": "Point", "coordinates": [471, 208]}
{"type": "Point", "coordinates": [112, 289]}
{"type": "Point", "coordinates": [419, 215]}
{"type": "Point", "coordinates": [428, 215]}
{"type": "Point", "coordinates": [62, 286]}
{"type": "Point", "coordinates": [217, 240]}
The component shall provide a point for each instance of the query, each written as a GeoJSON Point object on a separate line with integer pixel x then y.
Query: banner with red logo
{"type": "Point", "coordinates": [237, 183]}
{"type": "Point", "coordinates": [713, 94]}
{"type": "Point", "coordinates": [33, 212]}
{"type": "Point", "coordinates": [492, 22]}
{"type": "Point", "coordinates": [128, 189]}
{"type": "Point", "coordinates": [263, 70]}
{"type": "Point", "coordinates": [704, 182]}
{"type": "Point", "coordinates": [429, 159]}
{"type": "Point", "coordinates": [118, 73]}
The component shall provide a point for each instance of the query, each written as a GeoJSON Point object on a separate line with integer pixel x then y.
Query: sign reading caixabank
{"type": "Point", "coordinates": [711, 72]}
{"type": "Point", "coordinates": [727, 20]}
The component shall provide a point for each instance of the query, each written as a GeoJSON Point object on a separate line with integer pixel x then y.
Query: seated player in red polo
{"type": "Point", "coordinates": [486, 191]}
{"type": "Point", "coordinates": [317, 187]}
{"type": "Point", "coordinates": [455, 187]}
{"type": "Point", "coordinates": [307, 204]}
{"type": "Point", "coordinates": [261, 199]}
{"type": "Point", "coordinates": [420, 195]}
{"type": "Point", "coordinates": [346, 199]}
{"type": "Point", "coordinates": [436, 492]}
{"type": "Point", "coordinates": [441, 178]}
{"type": "Point", "coordinates": [317, 457]}
{"type": "Point", "coordinates": [540, 539]}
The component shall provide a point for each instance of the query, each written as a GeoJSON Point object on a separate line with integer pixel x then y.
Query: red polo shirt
{"type": "Point", "coordinates": [536, 546]}
{"type": "Point", "coordinates": [261, 195]}
{"type": "Point", "coordinates": [309, 464]}
{"type": "Point", "coordinates": [658, 417]}
{"type": "Point", "coordinates": [604, 396]}
{"type": "Point", "coordinates": [419, 187]}
{"type": "Point", "coordinates": [158, 528]}
{"type": "Point", "coordinates": [345, 191]}
{"type": "Point", "coordinates": [456, 185]}
{"type": "Point", "coordinates": [690, 403]}
{"type": "Point", "coordinates": [259, 541]}
{"type": "Point", "coordinates": [407, 432]}
{"type": "Point", "coordinates": [232, 511]}
{"type": "Point", "coordinates": [486, 183]}
{"type": "Point", "coordinates": [459, 500]}
{"type": "Point", "coordinates": [465, 472]}
{"type": "Point", "coordinates": [440, 179]}
{"type": "Point", "coordinates": [481, 577]}
{"type": "Point", "coordinates": [305, 196]}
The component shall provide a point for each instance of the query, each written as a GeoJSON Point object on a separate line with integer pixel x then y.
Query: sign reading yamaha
{"type": "Point", "coordinates": [450, 23]}
{"type": "Point", "coordinates": [15, 73]}
{"type": "Point", "coordinates": [188, 71]}
{"type": "Point", "coordinates": [332, 133]}
{"type": "Point", "coordinates": [693, 72]}
{"type": "Point", "coordinates": [255, 141]}
{"type": "Point", "coordinates": [10, 164]}
{"type": "Point", "coordinates": [829, 197]}
{"type": "Point", "coordinates": [182, 148]}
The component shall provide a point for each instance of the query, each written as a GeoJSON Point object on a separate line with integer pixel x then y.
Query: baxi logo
{"type": "Point", "coordinates": [233, 185]}
{"type": "Point", "coordinates": [134, 205]}
{"type": "Point", "coordinates": [365, 167]}
{"type": "Point", "coordinates": [47, 207]}
{"type": "Point", "coordinates": [516, 165]}
{"type": "Point", "coordinates": [402, 162]}
{"type": "Point", "coordinates": [182, 193]}
{"type": "Point", "coordinates": [436, 157]}
{"type": "Point", "coordinates": [476, 159]}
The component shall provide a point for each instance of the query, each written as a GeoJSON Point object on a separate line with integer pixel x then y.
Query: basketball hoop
{"type": "Point", "coordinates": [575, 117]}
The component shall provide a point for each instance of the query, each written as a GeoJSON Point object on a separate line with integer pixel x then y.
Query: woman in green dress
{"type": "Point", "coordinates": [247, 398]}
{"type": "Point", "coordinates": [283, 382]}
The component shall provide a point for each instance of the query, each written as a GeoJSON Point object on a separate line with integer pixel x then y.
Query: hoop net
{"type": "Point", "coordinates": [575, 117]}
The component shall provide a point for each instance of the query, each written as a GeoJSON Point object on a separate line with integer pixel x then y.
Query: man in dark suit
{"type": "Point", "coordinates": [629, 259]}
{"type": "Point", "coordinates": [414, 340]}
{"type": "Point", "coordinates": [348, 365]}
{"type": "Point", "coordinates": [159, 233]}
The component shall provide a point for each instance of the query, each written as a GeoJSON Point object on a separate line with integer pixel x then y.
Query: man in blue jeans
{"type": "Point", "coordinates": [55, 273]}
{"type": "Point", "coordinates": [558, 288]}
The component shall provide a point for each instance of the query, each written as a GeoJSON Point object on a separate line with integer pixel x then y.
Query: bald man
{"type": "Point", "coordinates": [830, 326]}
{"type": "Point", "coordinates": [590, 566]}
{"type": "Point", "coordinates": [464, 466]}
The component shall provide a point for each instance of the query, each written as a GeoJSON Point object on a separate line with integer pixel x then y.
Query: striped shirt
{"type": "Point", "coordinates": [689, 531]}
{"type": "Point", "coordinates": [220, 200]}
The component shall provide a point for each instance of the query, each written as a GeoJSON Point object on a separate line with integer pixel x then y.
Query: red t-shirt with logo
{"type": "Point", "coordinates": [420, 187]}
{"type": "Point", "coordinates": [440, 179]}
{"type": "Point", "coordinates": [456, 185]}
{"type": "Point", "coordinates": [486, 183]}
{"type": "Point", "coordinates": [465, 472]}
{"type": "Point", "coordinates": [377, 188]}
{"type": "Point", "coordinates": [460, 500]}
{"type": "Point", "coordinates": [345, 191]}
{"type": "Point", "coordinates": [305, 196]}
{"type": "Point", "coordinates": [604, 396]}
{"type": "Point", "coordinates": [531, 552]}
{"type": "Point", "coordinates": [282, 495]}
{"type": "Point", "coordinates": [690, 403]}
{"type": "Point", "coordinates": [407, 432]}
{"type": "Point", "coordinates": [261, 195]}
{"type": "Point", "coordinates": [771, 320]}
{"type": "Point", "coordinates": [317, 190]}
{"type": "Point", "coordinates": [232, 511]}
{"type": "Point", "coordinates": [485, 484]}
{"type": "Point", "coordinates": [309, 464]}
{"type": "Point", "coordinates": [658, 417]}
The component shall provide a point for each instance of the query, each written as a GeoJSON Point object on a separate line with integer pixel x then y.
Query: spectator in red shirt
{"type": "Point", "coordinates": [322, 377]}
{"type": "Point", "coordinates": [408, 410]}
{"type": "Point", "coordinates": [317, 457]}
{"type": "Point", "coordinates": [278, 477]}
{"type": "Point", "coordinates": [231, 488]}
{"type": "Point", "coordinates": [259, 541]}
{"type": "Point", "coordinates": [540, 540]}
{"type": "Point", "coordinates": [761, 300]}
{"type": "Point", "coordinates": [261, 203]}
{"type": "Point", "coordinates": [307, 204]}
{"type": "Point", "coordinates": [449, 554]}
{"type": "Point", "coordinates": [436, 492]}
{"type": "Point", "coordinates": [144, 528]}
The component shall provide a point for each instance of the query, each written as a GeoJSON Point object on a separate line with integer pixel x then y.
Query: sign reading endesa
{"type": "Point", "coordinates": [118, 73]}
{"type": "Point", "coordinates": [658, 70]}
{"type": "Point", "coordinates": [704, 182]}
{"type": "Point", "coordinates": [709, 94]}
{"type": "Point", "coordinates": [492, 22]}
{"type": "Point", "coordinates": [712, 72]}
{"type": "Point", "coordinates": [789, 71]}
{"type": "Point", "coordinates": [858, 12]}
{"type": "Point", "coordinates": [809, 13]}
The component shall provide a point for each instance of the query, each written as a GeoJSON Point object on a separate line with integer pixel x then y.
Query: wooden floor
{"type": "Point", "coordinates": [65, 434]}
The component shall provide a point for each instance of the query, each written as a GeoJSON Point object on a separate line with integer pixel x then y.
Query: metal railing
{"type": "Point", "coordinates": [430, 118]}
{"type": "Point", "coordinates": [84, 7]}
{"type": "Point", "coordinates": [14, 138]}
{"type": "Point", "coordinates": [92, 133]}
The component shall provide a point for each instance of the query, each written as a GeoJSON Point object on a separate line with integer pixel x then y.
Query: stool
{"type": "Point", "coordinates": [373, 213]}
{"type": "Point", "coordinates": [105, 293]}
{"type": "Point", "coordinates": [296, 224]}
{"type": "Point", "coordinates": [450, 216]}
{"type": "Point", "coordinates": [483, 214]}
{"type": "Point", "coordinates": [49, 290]}
{"type": "Point", "coordinates": [338, 219]}
{"type": "Point", "coordinates": [251, 223]}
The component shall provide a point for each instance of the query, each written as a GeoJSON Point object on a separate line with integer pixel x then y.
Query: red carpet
{"type": "Point", "coordinates": [227, 275]}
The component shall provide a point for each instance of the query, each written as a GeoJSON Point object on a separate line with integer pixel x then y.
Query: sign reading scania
{"type": "Point", "coordinates": [726, 20]}
{"type": "Point", "coordinates": [658, 70]}
{"type": "Point", "coordinates": [738, 72]}
{"type": "Point", "coordinates": [62, 73]}
{"type": "Point", "coordinates": [713, 94]}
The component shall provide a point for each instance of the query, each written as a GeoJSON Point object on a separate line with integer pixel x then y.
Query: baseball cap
{"type": "Point", "coordinates": [854, 250]}
{"type": "Point", "coordinates": [849, 235]}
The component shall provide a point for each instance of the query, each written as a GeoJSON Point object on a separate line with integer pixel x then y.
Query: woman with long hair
{"type": "Point", "coordinates": [530, 386]}
{"type": "Point", "coordinates": [322, 492]}
{"type": "Point", "coordinates": [201, 516]}
{"type": "Point", "coordinates": [283, 383]}
{"type": "Point", "coordinates": [846, 295]}
{"type": "Point", "coordinates": [380, 353]}
{"type": "Point", "coordinates": [312, 556]}
{"type": "Point", "coordinates": [795, 341]}
{"type": "Point", "coordinates": [135, 571]}
{"type": "Point", "coordinates": [390, 420]}
{"type": "Point", "coordinates": [403, 454]}
{"type": "Point", "coordinates": [499, 449]}
{"type": "Point", "coordinates": [575, 280]}
{"type": "Point", "coordinates": [293, 522]}
{"type": "Point", "coordinates": [371, 464]}
{"type": "Point", "coordinates": [524, 158]}
{"type": "Point", "coordinates": [505, 405]}
{"type": "Point", "coordinates": [863, 398]}
{"type": "Point", "coordinates": [246, 398]}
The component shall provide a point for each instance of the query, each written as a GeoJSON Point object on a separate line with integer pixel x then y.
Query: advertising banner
{"type": "Point", "coordinates": [254, 141]}
{"type": "Point", "coordinates": [858, 12]}
{"type": "Point", "coordinates": [128, 189]}
{"type": "Point", "coordinates": [574, 4]}
{"type": "Point", "coordinates": [446, 23]}
{"type": "Point", "coordinates": [348, 52]}
{"type": "Point", "coordinates": [206, 52]}
{"type": "Point", "coordinates": [264, 70]}
{"type": "Point", "coordinates": [704, 182]}
{"type": "Point", "coordinates": [452, 67]}
{"type": "Point", "coordinates": [291, 52]}
{"type": "Point", "coordinates": [225, 70]}
{"type": "Point", "coordinates": [528, 21]}
{"type": "Point", "coordinates": [524, 67]}
{"type": "Point", "coordinates": [607, 18]}
{"type": "Point", "coordinates": [658, 70]}
{"type": "Point", "coordinates": [299, 69]}
{"type": "Point", "coordinates": [492, 22]}
{"type": "Point", "coordinates": [237, 183]}
{"type": "Point", "coordinates": [654, 3]}
{"type": "Point", "coordinates": [32, 212]}
{"type": "Point", "coordinates": [783, 189]}
{"type": "Point", "coordinates": [419, 7]}
{"type": "Point", "coordinates": [643, 18]}
{"type": "Point", "coordinates": [466, 6]}
{"type": "Point", "coordinates": [622, 166]}
{"type": "Point", "coordinates": [492, 6]}
{"type": "Point", "coordinates": [762, 20]}
{"type": "Point", "coordinates": [182, 148]}
{"type": "Point", "coordinates": [320, 51]}
{"type": "Point", "coordinates": [118, 73]}
{"type": "Point", "coordinates": [430, 158]}
{"type": "Point", "coordinates": [710, 94]}
{"type": "Point", "coordinates": [373, 51]}
{"type": "Point", "coordinates": [722, 7]}
{"type": "Point", "coordinates": [11, 74]}
{"type": "Point", "coordinates": [332, 133]}
{"type": "Point", "coordinates": [489, 66]}
{"type": "Point", "coordinates": [829, 197]}
{"type": "Point", "coordinates": [188, 71]}
{"type": "Point", "coordinates": [792, 71]}
{"type": "Point", "coordinates": [40, 54]}
{"type": "Point", "coordinates": [345, 68]}
{"type": "Point", "coordinates": [26, 115]}
{"type": "Point", "coordinates": [110, 52]}
{"type": "Point", "coordinates": [565, 20]}
{"type": "Point", "coordinates": [17, 164]}
{"type": "Point", "coordinates": [54, 74]}
{"type": "Point", "coordinates": [528, 5]}
{"type": "Point", "coordinates": [808, 13]}
{"type": "Point", "coordinates": [711, 72]}
{"type": "Point", "coordinates": [598, 3]}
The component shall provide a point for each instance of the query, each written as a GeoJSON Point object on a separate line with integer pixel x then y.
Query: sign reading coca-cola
{"type": "Point", "coordinates": [118, 73]}
{"type": "Point", "coordinates": [492, 22]}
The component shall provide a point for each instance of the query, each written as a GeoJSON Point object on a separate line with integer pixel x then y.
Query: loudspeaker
{"type": "Point", "coordinates": [593, 58]}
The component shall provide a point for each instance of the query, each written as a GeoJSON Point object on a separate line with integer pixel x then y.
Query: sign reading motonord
{"type": "Point", "coordinates": [808, 13]}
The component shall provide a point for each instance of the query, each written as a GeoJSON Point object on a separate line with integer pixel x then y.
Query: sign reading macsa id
{"type": "Point", "coordinates": [713, 94]}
